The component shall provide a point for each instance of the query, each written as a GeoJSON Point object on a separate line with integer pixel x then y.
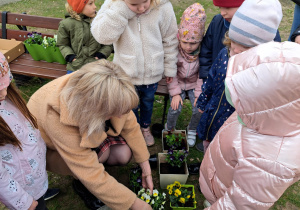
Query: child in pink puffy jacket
{"type": "Point", "coordinates": [190, 35]}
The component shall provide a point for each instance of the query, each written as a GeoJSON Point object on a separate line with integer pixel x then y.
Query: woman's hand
{"type": "Point", "coordinates": [33, 205]}
{"type": "Point", "coordinates": [175, 102]}
{"type": "Point", "coordinates": [140, 205]}
{"type": "Point", "coordinates": [146, 176]}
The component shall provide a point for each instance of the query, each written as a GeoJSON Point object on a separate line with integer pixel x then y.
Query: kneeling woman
{"type": "Point", "coordinates": [85, 119]}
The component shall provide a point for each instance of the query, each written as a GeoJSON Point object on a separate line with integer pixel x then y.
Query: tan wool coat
{"type": "Point", "coordinates": [62, 136]}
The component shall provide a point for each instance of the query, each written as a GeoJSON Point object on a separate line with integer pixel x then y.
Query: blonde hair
{"type": "Point", "coordinates": [227, 40]}
{"type": "Point", "coordinates": [96, 92]}
{"type": "Point", "coordinates": [72, 13]}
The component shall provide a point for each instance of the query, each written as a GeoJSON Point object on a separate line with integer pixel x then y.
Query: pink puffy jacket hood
{"type": "Point", "coordinates": [270, 102]}
{"type": "Point", "coordinates": [250, 166]}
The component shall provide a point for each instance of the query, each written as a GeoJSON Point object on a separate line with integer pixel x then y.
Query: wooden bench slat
{"type": "Point", "coordinates": [20, 35]}
{"type": "Point", "coordinates": [33, 21]}
{"type": "Point", "coordinates": [26, 59]}
{"type": "Point", "coordinates": [36, 71]}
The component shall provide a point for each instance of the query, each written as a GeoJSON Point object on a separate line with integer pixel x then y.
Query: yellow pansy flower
{"type": "Point", "coordinates": [188, 196]}
{"type": "Point", "coordinates": [176, 183]}
{"type": "Point", "coordinates": [182, 200]}
{"type": "Point", "coordinates": [178, 191]}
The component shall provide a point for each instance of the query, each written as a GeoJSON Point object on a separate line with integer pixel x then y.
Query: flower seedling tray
{"type": "Point", "coordinates": [165, 147]}
{"type": "Point", "coordinates": [186, 207]}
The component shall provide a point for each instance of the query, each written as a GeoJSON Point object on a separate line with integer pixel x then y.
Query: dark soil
{"type": "Point", "coordinates": [166, 168]}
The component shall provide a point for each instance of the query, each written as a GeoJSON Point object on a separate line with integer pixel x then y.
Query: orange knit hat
{"type": "Point", "coordinates": [77, 5]}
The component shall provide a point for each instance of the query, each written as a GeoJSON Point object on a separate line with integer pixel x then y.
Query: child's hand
{"type": "Point", "coordinates": [74, 59]}
{"type": "Point", "coordinates": [297, 39]}
{"type": "Point", "coordinates": [169, 79]}
{"type": "Point", "coordinates": [175, 102]}
{"type": "Point", "coordinates": [200, 111]}
{"type": "Point", "coordinates": [33, 205]}
{"type": "Point", "coordinates": [195, 102]}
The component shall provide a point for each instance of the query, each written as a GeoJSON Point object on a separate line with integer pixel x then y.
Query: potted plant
{"type": "Point", "coordinates": [135, 179]}
{"type": "Point", "coordinates": [172, 167]}
{"type": "Point", "coordinates": [182, 197]}
{"type": "Point", "coordinates": [176, 139]}
{"type": "Point", "coordinates": [157, 200]}
{"type": "Point", "coordinates": [43, 48]}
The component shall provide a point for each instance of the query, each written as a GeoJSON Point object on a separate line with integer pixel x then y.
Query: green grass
{"type": "Point", "coordinates": [67, 199]}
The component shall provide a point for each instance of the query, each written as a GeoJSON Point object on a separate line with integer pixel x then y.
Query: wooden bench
{"type": "Point", "coordinates": [25, 65]}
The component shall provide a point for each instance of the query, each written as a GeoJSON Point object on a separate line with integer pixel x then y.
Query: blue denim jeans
{"type": "Point", "coordinates": [296, 20]}
{"type": "Point", "coordinates": [146, 96]}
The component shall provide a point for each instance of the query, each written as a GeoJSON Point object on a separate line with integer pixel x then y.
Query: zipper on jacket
{"type": "Point", "coordinates": [139, 23]}
{"type": "Point", "coordinates": [187, 73]}
{"type": "Point", "coordinates": [214, 115]}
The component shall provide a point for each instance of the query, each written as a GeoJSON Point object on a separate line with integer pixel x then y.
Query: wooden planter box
{"type": "Point", "coordinates": [185, 208]}
{"type": "Point", "coordinates": [166, 179]}
{"type": "Point", "coordinates": [182, 132]}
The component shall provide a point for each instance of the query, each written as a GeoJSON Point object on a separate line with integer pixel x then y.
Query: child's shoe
{"type": "Point", "coordinates": [148, 136]}
{"type": "Point", "coordinates": [191, 137]}
{"type": "Point", "coordinates": [166, 127]}
{"type": "Point", "coordinates": [206, 204]}
{"type": "Point", "coordinates": [200, 147]}
{"type": "Point", "coordinates": [51, 193]}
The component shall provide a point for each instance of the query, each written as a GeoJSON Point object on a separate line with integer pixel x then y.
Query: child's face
{"type": "Point", "coordinates": [89, 9]}
{"type": "Point", "coordinates": [228, 12]}
{"type": "Point", "coordinates": [138, 6]}
{"type": "Point", "coordinates": [3, 93]}
{"type": "Point", "coordinates": [189, 47]}
{"type": "Point", "coordinates": [236, 48]}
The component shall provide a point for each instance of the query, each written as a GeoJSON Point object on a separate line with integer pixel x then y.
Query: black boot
{"type": "Point", "coordinates": [89, 199]}
{"type": "Point", "coordinates": [153, 161]}
{"type": "Point", "coordinates": [194, 168]}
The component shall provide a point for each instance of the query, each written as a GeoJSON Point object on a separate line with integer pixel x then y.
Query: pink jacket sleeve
{"type": "Point", "coordinates": [251, 183]}
{"type": "Point", "coordinates": [174, 87]}
{"type": "Point", "coordinates": [12, 194]}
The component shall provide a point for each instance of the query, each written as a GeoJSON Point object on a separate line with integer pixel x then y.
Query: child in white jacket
{"type": "Point", "coordinates": [23, 175]}
{"type": "Point", "coordinates": [144, 37]}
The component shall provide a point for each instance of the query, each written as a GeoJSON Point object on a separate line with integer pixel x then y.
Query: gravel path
{"type": "Point", "coordinates": [2, 2]}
